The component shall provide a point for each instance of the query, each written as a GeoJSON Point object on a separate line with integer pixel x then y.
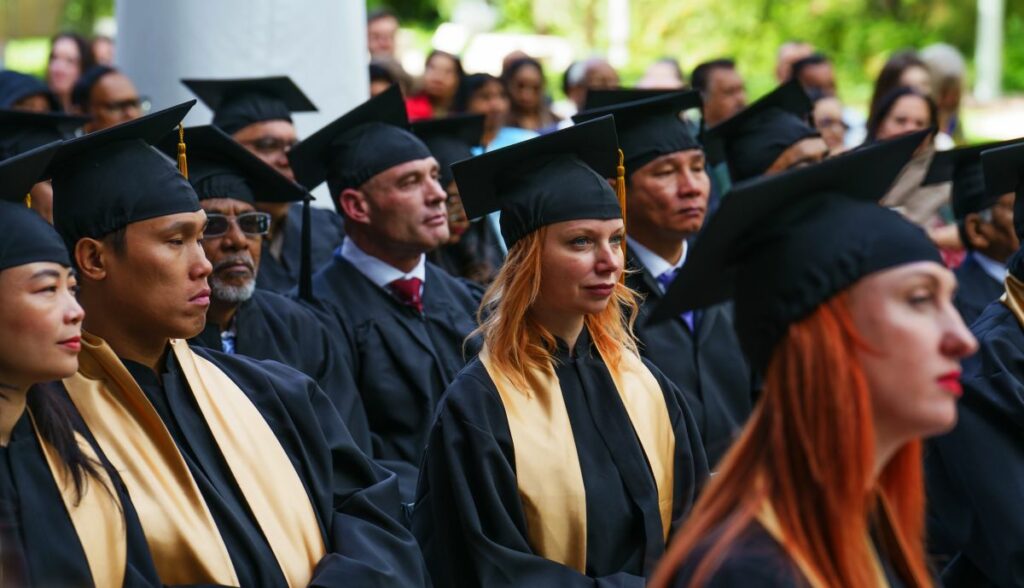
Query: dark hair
{"type": "Point", "coordinates": [380, 73]}
{"type": "Point", "coordinates": [510, 71]}
{"type": "Point", "coordinates": [80, 92]}
{"type": "Point", "coordinates": [886, 105]}
{"type": "Point", "coordinates": [702, 73]}
{"type": "Point", "coordinates": [116, 239]}
{"type": "Point", "coordinates": [85, 57]}
{"type": "Point", "coordinates": [800, 64]}
{"type": "Point", "coordinates": [461, 73]}
{"type": "Point", "coordinates": [54, 420]}
{"type": "Point", "coordinates": [380, 13]}
{"type": "Point", "coordinates": [889, 78]}
{"type": "Point", "coordinates": [469, 86]}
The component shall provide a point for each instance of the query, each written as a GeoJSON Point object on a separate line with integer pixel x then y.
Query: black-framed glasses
{"type": "Point", "coordinates": [138, 104]}
{"type": "Point", "coordinates": [270, 145]}
{"type": "Point", "coordinates": [253, 224]}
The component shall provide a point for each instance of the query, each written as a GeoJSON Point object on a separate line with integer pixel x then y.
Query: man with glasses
{"type": "Point", "coordinates": [108, 97]}
{"type": "Point", "coordinates": [256, 112]}
{"type": "Point", "coordinates": [243, 319]}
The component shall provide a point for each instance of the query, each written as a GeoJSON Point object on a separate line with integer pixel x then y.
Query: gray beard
{"type": "Point", "coordinates": [231, 294]}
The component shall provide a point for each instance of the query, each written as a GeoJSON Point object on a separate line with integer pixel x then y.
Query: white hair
{"type": "Point", "coordinates": [946, 64]}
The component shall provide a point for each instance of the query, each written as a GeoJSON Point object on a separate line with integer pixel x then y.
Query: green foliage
{"type": "Point", "coordinates": [81, 15]}
{"type": "Point", "coordinates": [423, 12]}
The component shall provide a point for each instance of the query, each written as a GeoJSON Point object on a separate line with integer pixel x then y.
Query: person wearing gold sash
{"type": "Point", "coordinates": [559, 457]}
{"type": "Point", "coordinates": [64, 517]}
{"type": "Point", "coordinates": [975, 472]}
{"type": "Point", "coordinates": [242, 471]}
{"type": "Point", "coordinates": [847, 310]}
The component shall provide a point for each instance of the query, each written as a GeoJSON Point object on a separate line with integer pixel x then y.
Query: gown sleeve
{"type": "Point", "coordinates": [468, 515]}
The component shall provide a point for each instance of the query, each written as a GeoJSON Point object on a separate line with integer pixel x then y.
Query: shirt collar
{"type": "Point", "coordinates": [995, 270]}
{"type": "Point", "coordinates": [377, 271]}
{"type": "Point", "coordinates": [654, 263]}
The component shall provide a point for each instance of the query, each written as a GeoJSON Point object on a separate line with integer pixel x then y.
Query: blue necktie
{"type": "Point", "coordinates": [665, 279]}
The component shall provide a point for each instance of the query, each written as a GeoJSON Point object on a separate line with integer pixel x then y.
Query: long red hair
{"type": "Point", "coordinates": [808, 450]}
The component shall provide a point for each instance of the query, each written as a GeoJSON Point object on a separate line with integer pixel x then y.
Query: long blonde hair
{"type": "Point", "coordinates": [517, 343]}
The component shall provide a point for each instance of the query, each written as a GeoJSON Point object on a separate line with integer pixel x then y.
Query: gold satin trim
{"type": "Point", "coordinates": [548, 470]}
{"type": "Point", "coordinates": [182, 536]}
{"type": "Point", "coordinates": [261, 468]}
{"type": "Point", "coordinates": [97, 517]}
{"type": "Point", "coordinates": [1013, 298]}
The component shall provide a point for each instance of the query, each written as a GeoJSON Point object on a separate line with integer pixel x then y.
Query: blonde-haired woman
{"type": "Point", "coordinates": [558, 456]}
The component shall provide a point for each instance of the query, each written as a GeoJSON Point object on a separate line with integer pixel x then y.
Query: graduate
{"type": "Point", "coordinates": [243, 319]}
{"type": "Point", "coordinates": [242, 471]}
{"type": "Point", "coordinates": [406, 321]}
{"type": "Point", "coordinates": [65, 519]}
{"type": "Point", "coordinates": [985, 224]}
{"type": "Point", "coordinates": [667, 189]}
{"type": "Point", "coordinates": [559, 457]}
{"type": "Point", "coordinates": [19, 91]}
{"type": "Point", "coordinates": [974, 472]}
{"type": "Point", "coordinates": [846, 308]}
{"type": "Point", "coordinates": [473, 250]}
{"type": "Point", "coordinates": [767, 137]}
{"type": "Point", "coordinates": [257, 112]}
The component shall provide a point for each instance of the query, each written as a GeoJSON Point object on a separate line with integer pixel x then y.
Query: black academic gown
{"type": "Point", "coordinates": [356, 502]}
{"type": "Point", "coordinates": [975, 289]}
{"type": "Point", "coordinates": [709, 368]}
{"type": "Point", "coordinates": [402, 360]}
{"type": "Point", "coordinates": [41, 546]}
{"type": "Point", "coordinates": [469, 517]}
{"type": "Point", "coordinates": [976, 472]}
{"type": "Point", "coordinates": [327, 232]}
{"type": "Point", "coordinates": [271, 326]}
{"type": "Point", "coordinates": [756, 560]}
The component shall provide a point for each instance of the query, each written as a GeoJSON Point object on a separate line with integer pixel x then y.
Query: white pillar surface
{"type": "Point", "coordinates": [988, 50]}
{"type": "Point", "coordinates": [321, 44]}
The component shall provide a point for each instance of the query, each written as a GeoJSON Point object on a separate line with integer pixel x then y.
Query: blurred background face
{"type": "Point", "coordinates": [526, 89]}
{"type": "Point", "coordinates": [828, 119]}
{"type": "Point", "coordinates": [270, 140]}
{"type": "Point", "coordinates": [37, 103]}
{"type": "Point", "coordinates": [918, 78]}
{"type": "Point", "coordinates": [64, 66]}
{"type": "Point", "coordinates": [726, 95]}
{"type": "Point", "coordinates": [661, 75]}
{"type": "Point", "coordinates": [440, 78]}
{"type": "Point", "coordinates": [910, 113]}
{"type": "Point", "coordinates": [490, 100]}
{"type": "Point", "coordinates": [380, 36]}
{"type": "Point", "coordinates": [820, 77]}
{"type": "Point", "coordinates": [42, 200]}
{"type": "Point", "coordinates": [458, 224]}
{"type": "Point", "coordinates": [112, 101]}
{"type": "Point", "coordinates": [40, 324]}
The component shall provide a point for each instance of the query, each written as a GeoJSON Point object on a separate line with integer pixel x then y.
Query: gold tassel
{"type": "Point", "coordinates": [28, 200]}
{"type": "Point", "coordinates": [182, 161]}
{"type": "Point", "coordinates": [620, 191]}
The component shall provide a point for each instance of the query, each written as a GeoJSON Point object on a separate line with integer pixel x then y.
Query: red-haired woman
{"type": "Point", "coordinates": [847, 310]}
{"type": "Point", "coordinates": [559, 457]}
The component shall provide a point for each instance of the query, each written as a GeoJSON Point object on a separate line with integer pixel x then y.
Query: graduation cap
{"type": "Point", "coordinates": [16, 86]}
{"type": "Point", "coordinates": [651, 127]}
{"type": "Point", "coordinates": [755, 137]}
{"type": "Point", "coordinates": [450, 139]}
{"type": "Point", "coordinates": [25, 237]}
{"type": "Point", "coordinates": [548, 179]}
{"type": "Point", "coordinates": [238, 103]}
{"type": "Point", "coordinates": [111, 178]}
{"type": "Point", "coordinates": [605, 98]}
{"type": "Point", "coordinates": [962, 166]}
{"type": "Point", "coordinates": [21, 130]}
{"type": "Point", "coordinates": [1004, 169]}
{"type": "Point", "coordinates": [782, 245]}
{"type": "Point", "coordinates": [360, 144]}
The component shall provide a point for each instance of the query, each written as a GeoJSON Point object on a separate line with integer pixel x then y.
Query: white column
{"type": "Point", "coordinates": [618, 32]}
{"type": "Point", "coordinates": [988, 50]}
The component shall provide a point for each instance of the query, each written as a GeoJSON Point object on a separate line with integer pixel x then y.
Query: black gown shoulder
{"type": "Point", "coordinates": [754, 560]}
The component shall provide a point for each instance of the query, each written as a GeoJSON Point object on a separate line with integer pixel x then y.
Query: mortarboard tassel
{"type": "Point", "coordinates": [620, 192]}
{"type": "Point", "coordinates": [28, 200]}
{"type": "Point", "coordinates": [182, 160]}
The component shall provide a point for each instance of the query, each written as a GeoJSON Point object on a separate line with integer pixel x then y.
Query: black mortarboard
{"type": "Point", "coordinates": [450, 139]}
{"type": "Point", "coordinates": [24, 236]}
{"type": "Point", "coordinates": [1004, 170]}
{"type": "Point", "coordinates": [365, 141]}
{"type": "Point", "coordinates": [21, 130]}
{"type": "Point", "coordinates": [553, 178]}
{"type": "Point", "coordinates": [605, 98]}
{"type": "Point", "coordinates": [754, 138]}
{"type": "Point", "coordinates": [238, 103]}
{"type": "Point", "coordinates": [16, 86]}
{"type": "Point", "coordinates": [962, 166]}
{"type": "Point", "coordinates": [219, 167]}
{"type": "Point", "coordinates": [651, 127]}
{"type": "Point", "coordinates": [111, 178]}
{"type": "Point", "coordinates": [782, 245]}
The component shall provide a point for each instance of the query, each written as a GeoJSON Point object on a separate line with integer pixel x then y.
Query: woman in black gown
{"type": "Point", "coordinates": [64, 518]}
{"type": "Point", "coordinates": [558, 457]}
{"type": "Point", "coordinates": [846, 310]}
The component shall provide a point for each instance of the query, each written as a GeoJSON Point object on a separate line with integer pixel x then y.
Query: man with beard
{"type": "Point", "coordinates": [242, 472]}
{"type": "Point", "coordinates": [242, 319]}
{"type": "Point", "coordinates": [257, 112]}
{"type": "Point", "coordinates": [406, 321]}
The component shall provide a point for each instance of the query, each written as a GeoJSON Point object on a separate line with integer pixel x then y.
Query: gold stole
{"type": "Point", "coordinates": [181, 532]}
{"type": "Point", "coordinates": [547, 465]}
{"type": "Point", "coordinates": [770, 521]}
{"type": "Point", "coordinates": [1013, 298]}
{"type": "Point", "coordinates": [97, 517]}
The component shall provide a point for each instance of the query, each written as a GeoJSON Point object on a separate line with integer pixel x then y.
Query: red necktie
{"type": "Point", "coordinates": [407, 291]}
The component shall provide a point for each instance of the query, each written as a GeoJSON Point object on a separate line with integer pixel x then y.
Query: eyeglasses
{"type": "Point", "coordinates": [253, 224]}
{"type": "Point", "coordinates": [138, 104]}
{"type": "Point", "coordinates": [270, 145]}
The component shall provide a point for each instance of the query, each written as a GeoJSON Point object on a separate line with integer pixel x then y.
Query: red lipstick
{"type": "Point", "coordinates": [951, 383]}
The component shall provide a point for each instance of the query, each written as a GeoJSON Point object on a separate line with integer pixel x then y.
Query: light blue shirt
{"type": "Point", "coordinates": [995, 270]}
